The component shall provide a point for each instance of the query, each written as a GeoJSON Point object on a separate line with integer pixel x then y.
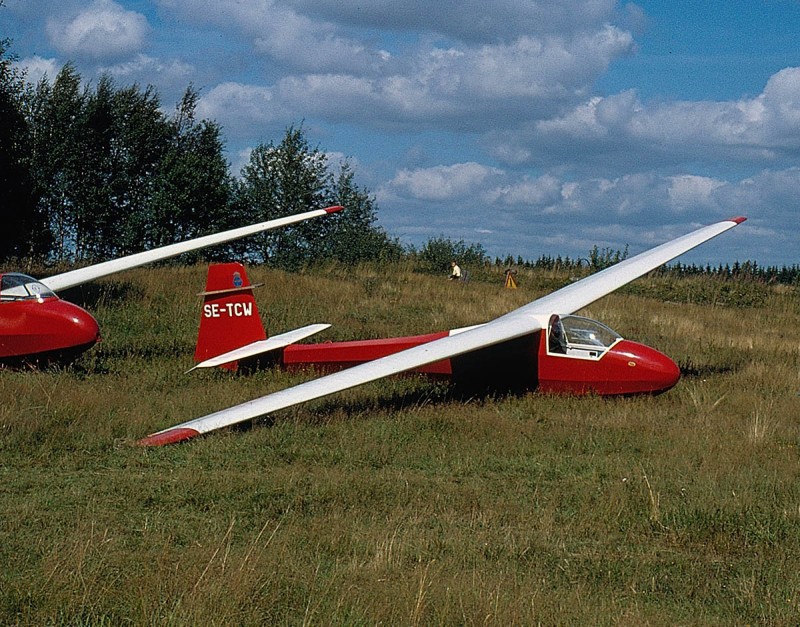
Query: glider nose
{"type": "Point", "coordinates": [652, 371]}
{"type": "Point", "coordinates": [70, 327]}
{"type": "Point", "coordinates": [83, 327]}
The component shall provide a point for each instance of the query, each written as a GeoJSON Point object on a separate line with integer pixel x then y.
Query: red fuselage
{"type": "Point", "coordinates": [44, 328]}
{"type": "Point", "coordinates": [528, 363]}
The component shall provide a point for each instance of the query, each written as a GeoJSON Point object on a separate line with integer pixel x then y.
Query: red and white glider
{"type": "Point", "coordinates": [37, 326]}
{"type": "Point", "coordinates": [575, 354]}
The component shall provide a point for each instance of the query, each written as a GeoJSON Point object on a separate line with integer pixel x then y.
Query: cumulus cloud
{"type": "Point", "coordinates": [564, 216]}
{"type": "Point", "coordinates": [467, 20]}
{"type": "Point", "coordinates": [540, 193]}
{"type": "Point", "coordinates": [103, 30]}
{"type": "Point", "coordinates": [445, 182]}
{"type": "Point", "coordinates": [239, 105]}
{"type": "Point", "coordinates": [275, 30]}
{"type": "Point", "coordinates": [461, 88]}
{"type": "Point", "coordinates": [340, 74]}
{"type": "Point", "coordinates": [144, 68]}
{"type": "Point", "coordinates": [620, 130]}
{"type": "Point", "coordinates": [36, 68]}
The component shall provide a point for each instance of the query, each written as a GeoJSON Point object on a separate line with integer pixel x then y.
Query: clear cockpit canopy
{"type": "Point", "coordinates": [17, 286]}
{"type": "Point", "coordinates": [580, 337]}
{"type": "Point", "coordinates": [588, 332]}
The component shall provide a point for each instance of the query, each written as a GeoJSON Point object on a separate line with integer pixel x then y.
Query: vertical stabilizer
{"type": "Point", "coordinates": [229, 318]}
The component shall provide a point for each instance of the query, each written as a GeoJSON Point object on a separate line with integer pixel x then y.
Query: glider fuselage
{"type": "Point", "coordinates": [37, 326]}
{"type": "Point", "coordinates": [532, 363]}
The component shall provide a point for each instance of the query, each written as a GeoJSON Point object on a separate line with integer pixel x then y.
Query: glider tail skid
{"type": "Point", "coordinates": [230, 326]}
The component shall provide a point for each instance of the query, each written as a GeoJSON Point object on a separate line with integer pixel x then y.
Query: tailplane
{"type": "Point", "coordinates": [230, 327]}
{"type": "Point", "coordinates": [229, 318]}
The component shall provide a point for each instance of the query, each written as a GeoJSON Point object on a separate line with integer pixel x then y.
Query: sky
{"type": "Point", "coordinates": [530, 127]}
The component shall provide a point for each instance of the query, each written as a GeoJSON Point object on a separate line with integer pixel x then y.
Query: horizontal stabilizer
{"type": "Point", "coordinates": [262, 346]}
{"type": "Point", "coordinates": [231, 290]}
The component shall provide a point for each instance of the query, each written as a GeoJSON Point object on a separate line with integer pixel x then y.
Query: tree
{"type": "Point", "coordinates": [55, 119]}
{"type": "Point", "coordinates": [437, 253]}
{"type": "Point", "coordinates": [130, 134]}
{"type": "Point", "coordinates": [192, 189]}
{"type": "Point", "coordinates": [353, 236]}
{"type": "Point", "coordinates": [292, 177]}
{"type": "Point", "coordinates": [601, 258]}
{"type": "Point", "coordinates": [25, 232]}
{"type": "Point", "coordinates": [281, 180]}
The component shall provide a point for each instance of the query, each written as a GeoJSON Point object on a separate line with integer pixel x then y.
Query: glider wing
{"type": "Point", "coordinates": [518, 323]}
{"type": "Point", "coordinates": [90, 273]}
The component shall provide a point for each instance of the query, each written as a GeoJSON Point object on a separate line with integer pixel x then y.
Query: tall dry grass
{"type": "Point", "coordinates": [400, 502]}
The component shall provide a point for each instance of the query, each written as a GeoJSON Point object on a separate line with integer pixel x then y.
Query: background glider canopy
{"type": "Point", "coordinates": [520, 322]}
{"type": "Point", "coordinates": [90, 273]}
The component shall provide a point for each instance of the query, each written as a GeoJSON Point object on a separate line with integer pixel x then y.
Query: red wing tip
{"type": "Point", "coordinates": [737, 219]}
{"type": "Point", "coordinates": [334, 209]}
{"type": "Point", "coordinates": [168, 437]}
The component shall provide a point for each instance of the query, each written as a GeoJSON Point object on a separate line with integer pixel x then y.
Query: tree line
{"type": "Point", "coordinates": [90, 172]}
{"type": "Point", "coordinates": [599, 259]}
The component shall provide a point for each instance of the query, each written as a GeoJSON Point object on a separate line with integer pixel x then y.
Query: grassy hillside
{"type": "Point", "coordinates": [397, 502]}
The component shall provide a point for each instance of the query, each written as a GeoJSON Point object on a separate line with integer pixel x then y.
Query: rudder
{"type": "Point", "coordinates": [229, 317]}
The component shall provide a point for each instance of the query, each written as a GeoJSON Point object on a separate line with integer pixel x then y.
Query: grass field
{"type": "Point", "coordinates": [399, 502]}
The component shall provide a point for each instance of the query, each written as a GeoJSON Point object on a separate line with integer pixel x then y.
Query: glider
{"type": "Point", "coordinates": [540, 345]}
{"type": "Point", "coordinates": [37, 326]}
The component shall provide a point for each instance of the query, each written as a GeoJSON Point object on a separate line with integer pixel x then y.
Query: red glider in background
{"type": "Point", "coordinates": [36, 326]}
{"type": "Point", "coordinates": [541, 345]}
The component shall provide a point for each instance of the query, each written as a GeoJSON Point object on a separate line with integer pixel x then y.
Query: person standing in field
{"type": "Point", "coordinates": [455, 271]}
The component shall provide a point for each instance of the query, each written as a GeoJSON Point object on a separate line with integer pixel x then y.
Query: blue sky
{"type": "Point", "coordinates": [532, 127]}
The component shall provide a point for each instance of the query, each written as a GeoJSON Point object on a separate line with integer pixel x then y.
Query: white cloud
{"type": "Point", "coordinates": [689, 192]}
{"type": "Point", "coordinates": [444, 182]}
{"type": "Point", "coordinates": [567, 217]}
{"type": "Point", "coordinates": [104, 30]}
{"type": "Point", "coordinates": [781, 106]}
{"type": "Point", "coordinates": [36, 68]}
{"type": "Point", "coordinates": [340, 73]}
{"type": "Point", "coordinates": [621, 131]}
{"type": "Point", "coordinates": [143, 68]}
{"type": "Point", "coordinates": [467, 20]}
{"type": "Point", "coordinates": [239, 107]}
{"type": "Point", "coordinates": [541, 192]}
{"type": "Point", "coordinates": [275, 30]}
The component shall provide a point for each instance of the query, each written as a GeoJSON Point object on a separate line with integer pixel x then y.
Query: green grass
{"type": "Point", "coordinates": [400, 502]}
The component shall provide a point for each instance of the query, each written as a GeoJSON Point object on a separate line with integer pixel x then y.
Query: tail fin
{"type": "Point", "coordinates": [229, 318]}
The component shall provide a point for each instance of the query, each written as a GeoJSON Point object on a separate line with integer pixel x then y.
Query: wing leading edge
{"type": "Point", "coordinates": [96, 271]}
{"type": "Point", "coordinates": [518, 323]}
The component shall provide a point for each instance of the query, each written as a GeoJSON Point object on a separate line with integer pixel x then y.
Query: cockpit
{"type": "Point", "coordinates": [574, 336]}
{"type": "Point", "coordinates": [15, 286]}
